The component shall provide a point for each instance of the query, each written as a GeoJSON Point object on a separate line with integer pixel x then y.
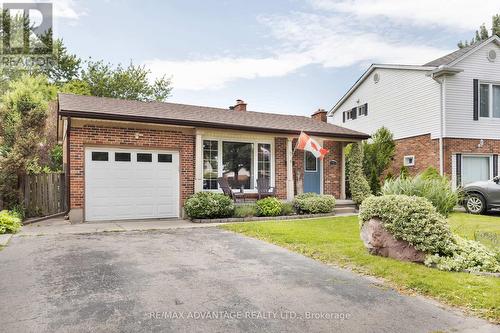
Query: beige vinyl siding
{"type": "Point", "coordinates": [406, 101]}
{"type": "Point", "coordinates": [459, 96]}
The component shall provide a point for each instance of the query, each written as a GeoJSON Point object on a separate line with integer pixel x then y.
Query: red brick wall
{"type": "Point", "coordinates": [332, 174]}
{"type": "Point", "coordinates": [454, 145]}
{"type": "Point", "coordinates": [425, 150]}
{"type": "Point", "coordinates": [280, 167]}
{"type": "Point", "coordinates": [125, 137]}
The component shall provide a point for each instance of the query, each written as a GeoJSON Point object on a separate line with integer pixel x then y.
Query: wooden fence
{"type": "Point", "coordinates": [45, 194]}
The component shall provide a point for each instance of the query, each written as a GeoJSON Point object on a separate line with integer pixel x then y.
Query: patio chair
{"type": "Point", "coordinates": [264, 189]}
{"type": "Point", "coordinates": [226, 189]}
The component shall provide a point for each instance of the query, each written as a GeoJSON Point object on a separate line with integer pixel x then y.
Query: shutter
{"type": "Point", "coordinates": [343, 117]}
{"type": "Point", "coordinates": [459, 170]}
{"type": "Point", "coordinates": [495, 165]}
{"type": "Point", "coordinates": [476, 99]}
{"type": "Point", "coordinates": [353, 113]}
{"type": "Point", "coordinates": [366, 109]}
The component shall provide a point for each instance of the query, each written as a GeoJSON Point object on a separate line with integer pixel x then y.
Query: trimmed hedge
{"type": "Point", "coordinates": [415, 220]}
{"type": "Point", "coordinates": [208, 205]}
{"type": "Point", "coordinates": [9, 222]}
{"type": "Point", "coordinates": [313, 203]}
{"type": "Point", "coordinates": [269, 206]}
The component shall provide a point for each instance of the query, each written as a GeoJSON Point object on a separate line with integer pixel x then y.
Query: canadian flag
{"type": "Point", "coordinates": [307, 143]}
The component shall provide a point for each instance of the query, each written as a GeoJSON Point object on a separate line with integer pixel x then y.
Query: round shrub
{"type": "Point", "coordinates": [312, 203]}
{"type": "Point", "coordinates": [269, 206]}
{"type": "Point", "coordinates": [412, 219]}
{"type": "Point", "coordinates": [208, 205]}
{"type": "Point", "coordinates": [415, 220]}
{"type": "Point", "coordinates": [287, 209]}
{"type": "Point", "coordinates": [9, 223]}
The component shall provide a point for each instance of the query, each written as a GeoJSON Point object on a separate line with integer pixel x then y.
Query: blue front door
{"type": "Point", "coordinates": [312, 173]}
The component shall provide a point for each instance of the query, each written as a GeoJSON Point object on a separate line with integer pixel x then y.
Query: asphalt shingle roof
{"type": "Point", "coordinates": [196, 116]}
{"type": "Point", "coordinates": [449, 58]}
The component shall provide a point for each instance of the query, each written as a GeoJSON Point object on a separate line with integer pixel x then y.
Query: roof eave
{"type": "Point", "coordinates": [192, 123]}
{"type": "Point", "coordinates": [493, 38]}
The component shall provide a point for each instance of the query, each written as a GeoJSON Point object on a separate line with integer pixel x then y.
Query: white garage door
{"type": "Point", "coordinates": [131, 184]}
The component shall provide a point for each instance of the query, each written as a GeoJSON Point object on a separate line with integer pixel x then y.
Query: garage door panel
{"type": "Point", "coordinates": [131, 190]}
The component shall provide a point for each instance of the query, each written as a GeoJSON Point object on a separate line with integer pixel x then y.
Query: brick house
{"type": "Point", "coordinates": [130, 160]}
{"type": "Point", "coordinates": [444, 114]}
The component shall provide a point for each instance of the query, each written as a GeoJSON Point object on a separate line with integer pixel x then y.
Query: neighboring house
{"type": "Point", "coordinates": [444, 114]}
{"type": "Point", "coordinates": [133, 160]}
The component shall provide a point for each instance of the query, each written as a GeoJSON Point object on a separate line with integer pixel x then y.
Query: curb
{"type": "Point", "coordinates": [263, 218]}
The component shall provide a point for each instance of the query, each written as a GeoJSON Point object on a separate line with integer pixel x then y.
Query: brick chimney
{"type": "Point", "coordinates": [239, 106]}
{"type": "Point", "coordinates": [320, 115]}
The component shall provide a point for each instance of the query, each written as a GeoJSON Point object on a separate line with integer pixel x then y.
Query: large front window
{"type": "Point", "coordinates": [241, 163]}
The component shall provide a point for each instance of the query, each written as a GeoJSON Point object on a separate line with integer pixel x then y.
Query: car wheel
{"type": "Point", "coordinates": [475, 204]}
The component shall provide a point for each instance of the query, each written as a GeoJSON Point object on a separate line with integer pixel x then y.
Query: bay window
{"type": "Point", "coordinates": [240, 162]}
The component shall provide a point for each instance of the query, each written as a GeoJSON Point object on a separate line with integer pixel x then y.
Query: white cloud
{"type": "Point", "coordinates": [323, 38]}
{"type": "Point", "coordinates": [461, 14]}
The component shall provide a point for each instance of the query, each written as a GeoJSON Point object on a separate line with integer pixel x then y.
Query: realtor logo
{"type": "Point", "coordinates": [26, 28]}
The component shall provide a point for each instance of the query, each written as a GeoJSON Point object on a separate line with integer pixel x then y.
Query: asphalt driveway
{"type": "Point", "coordinates": [196, 280]}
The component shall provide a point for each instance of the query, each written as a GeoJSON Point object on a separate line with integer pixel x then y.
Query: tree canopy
{"type": "Point", "coordinates": [483, 33]}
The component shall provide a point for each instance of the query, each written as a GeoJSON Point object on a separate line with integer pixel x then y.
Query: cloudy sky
{"type": "Point", "coordinates": [283, 56]}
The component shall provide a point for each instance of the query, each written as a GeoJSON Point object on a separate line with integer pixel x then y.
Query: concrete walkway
{"type": "Point", "coordinates": [60, 226]}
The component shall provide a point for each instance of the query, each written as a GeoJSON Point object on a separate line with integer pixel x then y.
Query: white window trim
{"type": "Point", "coordinates": [490, 98]}
{"type": "Point", "coordinates": [409, 156]}
{"type": "Point", "coordinates": [255, 158]}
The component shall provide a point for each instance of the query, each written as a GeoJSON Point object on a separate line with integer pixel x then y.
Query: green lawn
{"type": "Point", "coordinates": [336, 240]}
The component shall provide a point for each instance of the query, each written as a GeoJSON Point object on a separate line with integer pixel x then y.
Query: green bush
{"type": "Point", "coordinates": [359, 187]}
{"type": "Point", "coordinates": [245, 211]}
{"type": "Point", "coordinates": [469, 255]}
{"type": "Point", "coordinates": [287, 209]}
{"type": "Point", "coordinates": [436, 189]}
{"type": "Point", "coordinates": [9, 223]}
{"type": "Point", "coordinates": [312, 203]}
{"type": "Point", "coordinates": [415, 220]}
{"type": "Point", "coordinates": [269, 206]}
{"type": "Point", "coordinates": [431, 173]}
{"type": "Point", "coordinates": [412, 219]}
{"type": "Point", "coordinates": [207, 205]}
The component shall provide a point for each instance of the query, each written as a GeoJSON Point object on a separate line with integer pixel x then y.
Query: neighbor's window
{"type": "Point", "coordinates": [237, 164]}
{"type": "Point", "coordinates": [489, 100]}
{"type": "Point", "coordinates": [409, 160]}
{"type": "Point", "coordinates": [264, 161]}
{"type": "Point", "coordinates": [484, 100]}
{"type": "Point", "coordinates": [99, 156]}
{"type": "Point", "coordinates": [210, 164]}
{"type": "Point", "coordinates": [311, 162]}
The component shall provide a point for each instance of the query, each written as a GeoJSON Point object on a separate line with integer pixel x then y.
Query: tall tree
{"type": "Point", "coordinates": [483, 33]}
{"type": "Point", "coordinates": [377, 156]}
{"type": "Point", "coordinates": [359, 187]}
{"type": "Point", "coordinates": [130, 82]}
{"type": "Point", "coordinates": [23, 114]}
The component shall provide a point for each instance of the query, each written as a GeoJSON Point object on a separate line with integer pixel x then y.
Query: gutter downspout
{"type": "Point", "coordinates": [442, 119]}
{"type": "Point", "coordinates": [68, 168]}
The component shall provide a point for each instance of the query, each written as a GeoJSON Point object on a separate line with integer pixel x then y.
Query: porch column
{"type": "Point", "coordinates": [198, 168]}
{"type": "Point", "coordinates": [289, 169]}
{"type": "Point", "coordinates": [343, 175]}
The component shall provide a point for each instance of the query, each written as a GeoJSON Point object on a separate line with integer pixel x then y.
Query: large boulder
{"type": "Point", "coordinates": [379, 241]}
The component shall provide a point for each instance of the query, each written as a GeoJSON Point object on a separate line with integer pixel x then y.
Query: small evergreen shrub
{"type": "Point", "coordinates": [312, 203]}
{"type": "Point", "coordinates": [9, 223]}
{"type": "Point", "coordinates": [287, 209]}
{"type": "Point", "coordinates": [410, 218]}
{"type": "Point", "coordinates": [269, 206]}
{"type": "Point", "coordinates": [359, 187]}
{"type": "Point", "coordinates": [436, 189]}
{"type": "Point", "coordinates": [245, 211]}
{"type": "Point", "coordinates": [431, 173]}
{"type": "Point", "coordinates": [207, 205]}
{"type": "Point", "coordinates": [415, 220]}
